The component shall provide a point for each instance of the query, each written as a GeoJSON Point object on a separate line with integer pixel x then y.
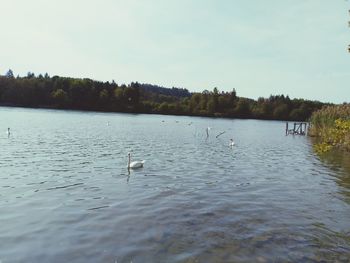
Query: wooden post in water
{"type": "Point", "coordinates": [299, 128]}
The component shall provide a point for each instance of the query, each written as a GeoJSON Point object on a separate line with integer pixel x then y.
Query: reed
{"type": "Point", "coordinates": [331, 125]}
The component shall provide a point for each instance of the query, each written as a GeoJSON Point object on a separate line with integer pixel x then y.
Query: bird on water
{"type": "Point", "coordinates": [134, 164]}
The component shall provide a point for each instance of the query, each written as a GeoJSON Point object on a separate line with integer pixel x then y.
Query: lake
{"type": "Point", "coordinates": [66, 194]}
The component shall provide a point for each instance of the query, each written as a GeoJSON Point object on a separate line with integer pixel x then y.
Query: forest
{"type": "Point", "coordinates": [43, 91]}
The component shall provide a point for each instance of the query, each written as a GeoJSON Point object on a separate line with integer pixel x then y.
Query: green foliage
{"type": "Point", "coordinates": [322, 147]}
{"type": "Point", "coordinates": [332, 126]}
{"type": "Point", "coordinates": [9, 74]}
{"type": "Point", "coordinates": [60, 98]}
{"type": "Point", "coordinates": [281, 112]}
{"type": "Point", "coordinates": [296, 115]}
{"type": "Point", "coordinates": [243, 107]}
{"type": "Point", "coordinates": [326, 117]}
{"type": "Point", "coordinates": [87, 94]}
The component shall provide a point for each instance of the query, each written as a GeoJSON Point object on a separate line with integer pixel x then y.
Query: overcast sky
{"type": "Point", "coordinates": [292, 47]}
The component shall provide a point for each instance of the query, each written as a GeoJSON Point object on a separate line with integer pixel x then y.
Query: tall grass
{"type": "Point", "coordinates": [331, 125]}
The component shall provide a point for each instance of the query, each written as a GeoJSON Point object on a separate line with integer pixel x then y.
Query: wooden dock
{"type": "Point", "coordinates": [299, 128]}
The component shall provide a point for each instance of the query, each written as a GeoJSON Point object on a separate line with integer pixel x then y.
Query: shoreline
{"type": "Point", "coordinates": [139, 113]}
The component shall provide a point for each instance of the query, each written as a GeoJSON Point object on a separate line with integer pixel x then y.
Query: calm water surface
{"type": "Point", "coordinates": [66, 195]}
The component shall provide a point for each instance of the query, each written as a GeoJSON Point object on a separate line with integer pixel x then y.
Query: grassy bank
{"type": "Point", "coordinates": [331, 126]}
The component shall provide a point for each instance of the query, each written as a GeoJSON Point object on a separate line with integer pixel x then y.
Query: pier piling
{"type": "Point", "coordinates": [299, 128]}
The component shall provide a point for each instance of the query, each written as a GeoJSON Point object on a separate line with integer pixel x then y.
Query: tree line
{"type": "Point", "coordinates": [43, 91]}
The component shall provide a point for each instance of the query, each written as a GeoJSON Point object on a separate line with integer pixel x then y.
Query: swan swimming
{"type": "Point", "coordinates": [232, 143]}
{"type": "Point", "coordinates": [134, 164]}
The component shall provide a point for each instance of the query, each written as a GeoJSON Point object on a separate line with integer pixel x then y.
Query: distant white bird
{"type": "Point", "coordinates": [134, 164]}
{"type": "Point", "coordinates": [207, 130]}
{"type": "Point", "coordinates": [232, 143]}
{"type": "Point", "coordinates": [8, 132]}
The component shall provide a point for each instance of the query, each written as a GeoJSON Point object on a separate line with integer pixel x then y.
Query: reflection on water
{"type": "Point", "coordinates": [66, 194]}
{"type": "Point", "coordinates": [339, 162]}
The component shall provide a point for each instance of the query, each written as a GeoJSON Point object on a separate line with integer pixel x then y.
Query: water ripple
{"type": "Point", "coordinates": [66, 195]}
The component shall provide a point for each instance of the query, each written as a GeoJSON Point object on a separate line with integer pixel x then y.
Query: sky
{"type": "Point", "coordinates": [291, 47]}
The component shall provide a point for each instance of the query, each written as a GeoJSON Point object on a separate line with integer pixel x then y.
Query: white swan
{"type": "Point", "coordinates": [134, 164]}
{"type": "Point", "coordinates": [232, 143]}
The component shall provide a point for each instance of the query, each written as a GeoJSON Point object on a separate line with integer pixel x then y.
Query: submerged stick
{"type": "Point", "coordinates": [217, 136]}
{"type": "Point", "coordinates": [65, 186]}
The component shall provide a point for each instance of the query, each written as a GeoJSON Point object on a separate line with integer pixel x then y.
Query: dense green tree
{"type": "Point", "coordinates": [296, 115]}
{"type": "Point", "coordinates": [9, 74]}
{"type": "Point", "coordinates": [60, 98]}
{"type": "Point", "coordinates": [204, 98]}
{"type": "Point", "coordinates": [233, 96]}
{"type": "Point", "coordinates": [104, 99]}
{"type": "Point", "coordinates": [243, 108]}
{"type": "Point", "coordinates": [118, 94]}
{"type": "Point", "coordinates": [195, 103]}
{"type": "Point", "coordinates": [281, 112]}
{"type": "Point", "coordinates": [30, 75]}
{"type": "Point", "coordinates": [87, 94]}
{"type": "Point", "coordinates": [215, 100]}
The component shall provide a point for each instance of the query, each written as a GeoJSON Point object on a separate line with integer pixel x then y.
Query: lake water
{"type": "Point", "coordinates": [66, 194]}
